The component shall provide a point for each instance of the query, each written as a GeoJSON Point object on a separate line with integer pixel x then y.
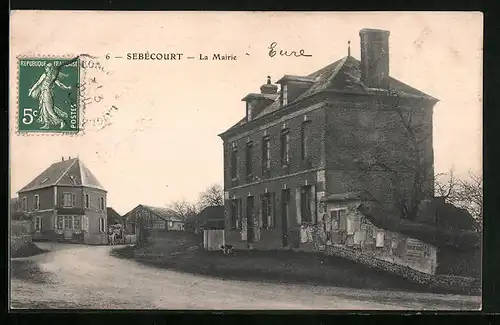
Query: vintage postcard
{"type": "Point", "coordinates": [246, 160]}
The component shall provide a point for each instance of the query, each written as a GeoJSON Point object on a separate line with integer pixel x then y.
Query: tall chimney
{"type": "Point", "coordinates": [62, 158]}
{"type": "Point", "coordinates": [375, 58]}
{"type": "Point", "coordinates": [268, 87]}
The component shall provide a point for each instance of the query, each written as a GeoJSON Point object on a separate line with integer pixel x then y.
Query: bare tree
{"type": "Point", "coordinates": [183, 209]}
{"type": "Point", "coordinates": [463, 193]}
{"type": "Point", "coordinates": [212, 196]}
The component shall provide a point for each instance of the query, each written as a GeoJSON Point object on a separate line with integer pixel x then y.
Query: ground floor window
{"type": "Point", "coordinates": [236, 214]}
{"type": "Point", "coordinates": [60, 222]}
{"type": "Point", "coordinates": [305, 204]}
{"type": "Point", "coordinates": [85, 223]}
{"type": "Point", "coordinates": [267, 210]}
{"type": "Point", "coordinates": [69, 223]}
{"type": "Point", "coordinates": [76, 223]}
{"type": "Point", "coordinates": [38, 223]}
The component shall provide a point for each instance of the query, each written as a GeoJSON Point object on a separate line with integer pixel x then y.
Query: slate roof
{"type": "Point", "coordinates": [70, 172]}
{"type": "Point", "coordinates": [163, 213]}
{"type": "Point", "coordinates": [343, 75]}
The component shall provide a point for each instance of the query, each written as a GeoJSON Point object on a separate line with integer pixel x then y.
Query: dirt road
{"type": "Point", "coordinates": [77, 276]}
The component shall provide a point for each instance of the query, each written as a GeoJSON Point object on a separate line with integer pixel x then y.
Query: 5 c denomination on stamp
{"type": "Point", "coordinates": [48, 96]}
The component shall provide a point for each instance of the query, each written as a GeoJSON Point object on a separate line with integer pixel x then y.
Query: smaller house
{"type": "Point", "coordinates": [66, 203]}
{"type": "Point", "coordinates": [211, 217]}
{"type": "Point", "coordinates": [146, 217]}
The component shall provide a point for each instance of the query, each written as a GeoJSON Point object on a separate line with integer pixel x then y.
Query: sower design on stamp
{"type": "Point", "coordinates": [48, 95]}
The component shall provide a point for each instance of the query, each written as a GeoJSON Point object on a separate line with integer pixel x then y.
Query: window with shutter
{"type": "Point", "coordinates": [249, 157]}
{"type": "Point", "coordinates": [234, 163]}
{"type": "Point", "coordinates": [285, 147]}
{"type": "Point", "coordinates": [305, 202]}
{"type": "Point", "coordinates": [76, 223]}
{"type": "Point", "coordinates": [38, 223]}
{"type": "Point", "coordinates": [87, 201]}
{"type": "Point", "coordinates": [25, 204]}
{"type": "Point", "coordinates": [236, 214]}
{"type": "Point", "coordinates": [60, 223]}
{"type": "Point", "coordinates": [36, 202]}
{"type": "Point", "coordinates": [101, 225]}
{"type": "Point", "coordinates": [266, 154]}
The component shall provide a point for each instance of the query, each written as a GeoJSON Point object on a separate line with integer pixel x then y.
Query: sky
{"type": "Point", "coordinates": [160, 144]}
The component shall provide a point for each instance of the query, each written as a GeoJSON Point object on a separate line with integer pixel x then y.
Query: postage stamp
{"type": "Point", "coordinates": [48, 96]}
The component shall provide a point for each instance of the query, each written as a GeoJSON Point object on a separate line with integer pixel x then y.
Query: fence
{"type": "Point", "coordinates": [213, 239]}
{"type": "Point", "coordinates": [130, 239]}
{"type": "Point", "coordinates": [20, 234]}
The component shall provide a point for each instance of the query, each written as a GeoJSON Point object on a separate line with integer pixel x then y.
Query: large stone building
{"type": "Point", "coordinates": [346, 127]}
{"type": "Point", "coordinates": [66, 202]}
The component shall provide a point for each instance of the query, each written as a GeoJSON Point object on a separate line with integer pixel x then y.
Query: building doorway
{"type": "Point", "coordinates": [285, 206]}
{"type": "Point", "coordinates": [250, 219]}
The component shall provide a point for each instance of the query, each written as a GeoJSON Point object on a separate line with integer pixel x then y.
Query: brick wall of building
{"type": "Point", "coordinates": [46, 199]}
{"type": "Point", "coordinates": [273, 130]}
{"type": "Point", "coordinates": [362, 133]}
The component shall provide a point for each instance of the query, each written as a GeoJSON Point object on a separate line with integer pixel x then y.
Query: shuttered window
{"type": "Point", "coordinates": [87, 201]}
{"type": "Point", "coordinates": [36, 202]}
{"type": "Point", "coordinates": [85, 223]}
{"type": "Point", "coordinates": [236, 214]}
{"type": "Point", "coordinates": [76, 223]}
{"type": "Point", "coordinates": [60, 223]}
{"type": "Point", "coordinates": [102, 226]}
{"type": "Point", "coordinates": [38, 223]}
{"type": "Point", "coordinates": [285, 147]}
{"type": "Point", "coordinates": [234, 163]}
{"type": "Point", "coordinates": [267, 210]}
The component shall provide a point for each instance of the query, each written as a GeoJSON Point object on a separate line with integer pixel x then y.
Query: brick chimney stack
{"type": "Point", "coordinates": [268, 88]}
{"type": "Point", "coordinates": [375, 58]}
{"type": "Point", "coordinates": [62, 158]}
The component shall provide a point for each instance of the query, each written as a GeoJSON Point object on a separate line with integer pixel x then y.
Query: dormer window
{"type": "Point", "coordinates": [284, 95]}
{"type": "Point", "coordinates": [249, 111]}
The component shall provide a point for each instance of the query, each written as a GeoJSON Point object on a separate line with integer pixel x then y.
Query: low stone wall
{"type": "Point", "coordinates": [455, 284]}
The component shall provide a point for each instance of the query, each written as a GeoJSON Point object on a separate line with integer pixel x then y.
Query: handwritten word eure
{"type": "Point", "coordinates": [273, 51]}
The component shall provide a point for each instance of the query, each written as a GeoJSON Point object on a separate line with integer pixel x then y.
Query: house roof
{"type": "Point", "coordinates": [208, 213]}
{"type": "Point", "coordinates": [113, 215]}
{"type": "Point", "coordinates": [343, 75]}
{"type": "Point", "coordinates": [70, 172]}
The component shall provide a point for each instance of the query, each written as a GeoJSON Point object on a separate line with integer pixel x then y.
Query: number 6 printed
{"type": "Point", "coordinates": [28, 115]}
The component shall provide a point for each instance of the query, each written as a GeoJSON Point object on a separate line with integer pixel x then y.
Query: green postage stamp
{"type": "Point", "coordinates": [48, 95]}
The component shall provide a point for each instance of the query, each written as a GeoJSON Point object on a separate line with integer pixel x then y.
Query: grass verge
{"type": "Point", "coordinates": [30, 249]}
{"type": "Point", "coordinates": [273, 266]}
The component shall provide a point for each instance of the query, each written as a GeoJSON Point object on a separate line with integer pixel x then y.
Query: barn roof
{"type": "Point", "coordinates": [161, 212]}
